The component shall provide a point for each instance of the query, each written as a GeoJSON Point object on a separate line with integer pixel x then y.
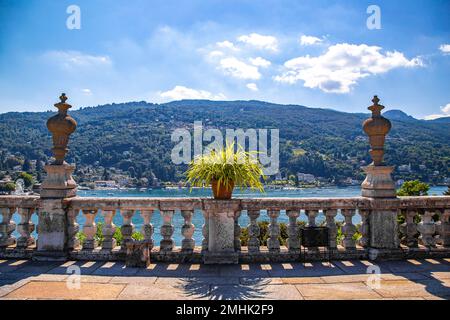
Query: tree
{"type": "Point", "coordinates": [413, 188]}
{"type": "Point", "coordinates": [27, 179]}
{"type": "Point", "coordinates": [8, 187]}
{"type": "Point", "coordinates": [26, 165]}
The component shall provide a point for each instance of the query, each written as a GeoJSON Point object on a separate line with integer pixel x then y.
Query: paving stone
{"type": "Point", "coordinates": [85, 268]}
{"type": "Point", "coordinates": [59, 290]}
{"type": "Point", "coordinates": [302, 280]}
{"type": "Point", "coordinates": [133, 280]}
{"type": "Point", "coordinates": [252, 270]}
{"type": "Point", "coordinates": [255, 292]}
{"type": "Point", "coordinates": [257, 280]}
{"type": "Point", "coordinates": [437, 275]}
{"type": "Point", "coordinates": [164, 292]}
{"type": "Point", "coordinates": [337, 291]}
{"type": "Point", "coordinates": [315, 269]}
{"type": "Point", "coordinates": [408, 288]}
{"type": "Point", "coordinates": [116, 269]}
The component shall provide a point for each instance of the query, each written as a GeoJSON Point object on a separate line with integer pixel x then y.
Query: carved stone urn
{"type": "Point", "coordinates": [61, 126]}
{"type": "Point", "coordinates": [378, 182]}
{"type": "Point", "coordinates": [377, 127]}
{"type": "Point", "coordinates": [59, 182]}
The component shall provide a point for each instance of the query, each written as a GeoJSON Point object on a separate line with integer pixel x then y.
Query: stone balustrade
{"type": "Point", "coordinates": [423, 229]}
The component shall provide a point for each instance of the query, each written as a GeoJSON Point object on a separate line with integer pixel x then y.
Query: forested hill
{"type": "Point", "coordinates": [323, 142]}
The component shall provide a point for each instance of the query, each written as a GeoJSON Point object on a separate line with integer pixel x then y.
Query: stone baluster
{"type": "Point", "coordinates": [253, 231]}
{"type": "Point", "coordinates": [311, 214]}
{"type": "Point", "coordinates": [349, 229]}
{"type": "Point", "coordinates": [365, 225]}
{"type": "Point", "coordinates": [108, 230]}
{"type": "Point", "coordinates": [330, 215]}
{"type": "Point", "coordinates": [427, 228]}
{"type": "Point", "coordinates": [167, 230]}
{"type": "Point", "coordinates": [89, 229]}
{"type": "Point", "coordinates": [237, 231]}
{"type": "Point", "coordinates": [273, 243]}
{"type": "Point", "coordinates": [127, 228]}
{"type": "Point", "coordinates": [293, 241]}
{"type": "Point", "coordinates": [72, 228]}
{"type": "Point", "coordinates": [187, 231]}
{"type": "Point", "coordinates": [7, 227]}
{"type": "Point", "coordinates": [25, 228]}
{"type": "Point", "coordinates": [205, 230]}
{"type": "Point", "coordinates": [444, 233]}
{"type": "Point", "coordinates": [409, 229]}
{"type": "Point", "coordinates": [147, 227]}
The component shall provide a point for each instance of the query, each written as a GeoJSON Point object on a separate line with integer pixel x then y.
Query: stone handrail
{"type": "Point", "coordinates": [427, 237]}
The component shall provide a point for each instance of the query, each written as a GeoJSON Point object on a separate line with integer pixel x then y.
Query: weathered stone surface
{"type": "Point", "coordinates": [52, 230]}
{"type": "Point", "coordinates": [60, 290]}
{"type": "Point", "coordinates": [378, 182]}
{"type": "Point", "coordinates": [138, 254]}
{"type": "Point", "coordinates": [337, 291]}
{"type": "Point", "coordinates": [384, 229]}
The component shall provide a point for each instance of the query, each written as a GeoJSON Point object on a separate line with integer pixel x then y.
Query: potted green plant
{"type": "Point", "coordinates": [224, 169]}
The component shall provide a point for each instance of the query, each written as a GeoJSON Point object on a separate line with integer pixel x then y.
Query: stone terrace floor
{"type": "Point", "coordinates": [410, 279]}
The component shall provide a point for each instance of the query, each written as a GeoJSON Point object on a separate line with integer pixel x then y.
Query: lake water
{"type": "Point", "coordinates": [198, 217]}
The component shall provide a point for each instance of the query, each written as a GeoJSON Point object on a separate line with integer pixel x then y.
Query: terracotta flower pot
{"type": "Point", "coordinates": [222, 192]}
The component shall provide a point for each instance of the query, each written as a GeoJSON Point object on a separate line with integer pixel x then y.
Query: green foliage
{"type": "Point", "coordinates": [226, 166]}
{"type": "Point", "coordinates": [264, 233]}
{"type": "Point", "coordinates": [117, 235]}
{"type": "Point", "coordinates": [413, 188]}
{"type": "Point", "coordinates": [27, 179]}
{"type": "Point", "coordinates": [136, 137]}
{"type": "Point", "coordinates": [8, 187]}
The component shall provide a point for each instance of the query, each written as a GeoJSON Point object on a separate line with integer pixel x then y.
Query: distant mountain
{"type": "Point", "coordinates": [398, 115]}
{"type": "Point", "coordinates": [136, 137]}
{"type": "Point", "coordinates": [441, 120]}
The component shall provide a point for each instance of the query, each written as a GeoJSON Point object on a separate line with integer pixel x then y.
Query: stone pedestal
{"type": "Point", "coordinates": [221, 244]}
{"type": "Point", "coordinates": [138, 254]}
{"type": "Point", "coordinates": [383, 229]}
{"type": "Point", "coordinates": [59, 182]}
{"type": "Point", "coordinates": [52, 240]}
{"type": "Point", "coordinates": [378, 182]}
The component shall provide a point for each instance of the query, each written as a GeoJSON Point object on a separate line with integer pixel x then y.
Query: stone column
{"type": "Point", "coordinates": [90, 229]}
{"type": "Point", "coordinates": [52, 242]}
{"type": "Point", "coordinates": [108, 230]}
{"type": "Point", "coordinates": [253, 231]}
{"type": "Point", "coordinates": [25, 228]}
{"type": "Point", "coordinates": [378, 185]}
{"type": "Point", "coordinates": [187, 231]}
{"type": "Point", "coordinates": [221, 215]}
{"type": "Point", "coordinates": [293, 241]}
{"type": "Point", "coordinates": [7, 227]}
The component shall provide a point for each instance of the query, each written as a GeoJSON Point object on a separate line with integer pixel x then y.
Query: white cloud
{"type": "Point", "coordinates": [239, 69]}
{"type": "Point", "coordinates": [215, 53]}
{"type": "Point", "coordinates": [87, 92]}
{"type": "Point", "coordinates": [252, 86]}
{"type": "Point", "coordinates": [309, 40]}
{"type": "Point", "coordinates": [260, 62]}
{"type": "Point", "coordinates": [227, 44]}
{"type": "Point", "coordinates": [445, 113]}
{"type": "Point", "coordinates": [181, 92]}
{"type": "Point", "coordinates": [260, 41]}
{"type": "Point", "coordinates": [76, 59]}
{"type": "Point", "coordinates": [338, 69]}
{"type": "Point", "coordinates": [445, 48]}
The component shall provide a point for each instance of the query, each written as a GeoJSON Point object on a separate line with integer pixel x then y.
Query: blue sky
{"type": "Point", "coordinates": [314, 53]}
